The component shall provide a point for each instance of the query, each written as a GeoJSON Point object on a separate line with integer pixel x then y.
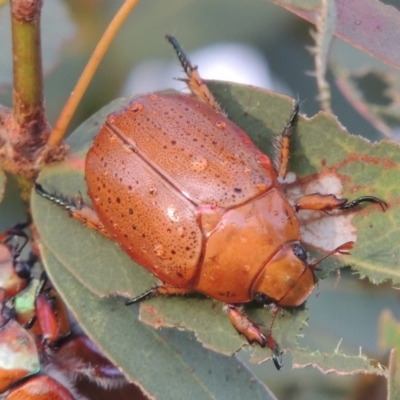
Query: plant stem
{"type": "Point", "coordinates": [28, 108]}
{"type": "Point", "coordinates": [65, 117]}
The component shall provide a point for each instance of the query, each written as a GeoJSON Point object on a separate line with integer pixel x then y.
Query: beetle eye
{"type": "Point", "coordinates": [262, 298]}
{"type": "Point", "coordinates": [300, 252]}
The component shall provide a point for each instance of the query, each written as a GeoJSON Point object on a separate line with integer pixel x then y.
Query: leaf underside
{"type": "Point", "coordinates": [153, 359]}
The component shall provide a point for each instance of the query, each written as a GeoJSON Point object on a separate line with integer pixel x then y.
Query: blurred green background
{"type": "Point", "coordinates": [349, 311]}
{"type": "Point", "coordinates": [279, 35]}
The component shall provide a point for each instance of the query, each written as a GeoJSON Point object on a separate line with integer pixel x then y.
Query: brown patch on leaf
{"type": "Point", "coordinates": [151, 316]}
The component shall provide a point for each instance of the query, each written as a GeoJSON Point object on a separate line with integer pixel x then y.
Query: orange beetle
{"type": "Point", "coordinates": [187, 195]}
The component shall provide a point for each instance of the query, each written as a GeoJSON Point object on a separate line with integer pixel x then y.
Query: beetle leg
{"type": "Point", "coordinates": [194, 82]}
{"type": "Point", "coordinates": [329, 202]}
{"type": "Point", "coordinates": [77, 209]}
{"type": "Point", "coordinates": [283, 144]}
{"type": "Point", "coordinates": [252, 332]}
{"type": "Point", "coordinates": [159, 290]}
{"type": "Point", "coordinates": [245, 326]}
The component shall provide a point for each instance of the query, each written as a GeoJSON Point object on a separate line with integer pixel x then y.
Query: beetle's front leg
{"type": "Point", "coordinates": [252, 332]}
{"type": "Point", "coordinates": [194, 82]}
{"type": "Point", "coordinates": [77, 209]}
{"type": "Point", "coordinates": [329, 202]}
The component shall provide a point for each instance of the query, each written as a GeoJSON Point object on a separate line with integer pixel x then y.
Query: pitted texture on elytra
{"type": "Point", "coordinates": [148, 217]}
{"type": "Point", "coordinates": [200, 152]}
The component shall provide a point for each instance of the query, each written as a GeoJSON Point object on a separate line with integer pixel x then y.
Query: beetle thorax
{"type": "Point", "coordinates": [243, 242]}
{"type": "Point", "coordinates": [286, 279]}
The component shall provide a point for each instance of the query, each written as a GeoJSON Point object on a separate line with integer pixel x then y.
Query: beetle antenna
{"type": "Point", "coordinates": [342, 249]}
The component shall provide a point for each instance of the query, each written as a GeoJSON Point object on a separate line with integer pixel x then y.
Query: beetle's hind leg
{"type": "Point", "coordinates": [194, 81]}
{"type": "Point", "coordinates": [77, 209]}
{"type": "Point", "coordinates": [283, 143]}
{"type": "Point", "coordinates": [159, 290]}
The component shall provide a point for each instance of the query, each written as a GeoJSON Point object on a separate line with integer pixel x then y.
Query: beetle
{"type": "Point", "coordinates": [36, 336]}
{"type": "Point", "coordinates": [186, 194]}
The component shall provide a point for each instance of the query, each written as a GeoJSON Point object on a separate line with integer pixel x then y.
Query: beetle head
{"type": "Point", "coordinates": [287, 279]}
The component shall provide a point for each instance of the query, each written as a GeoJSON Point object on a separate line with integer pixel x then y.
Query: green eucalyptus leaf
{"type": "Point", "coordinates": [165, 363]}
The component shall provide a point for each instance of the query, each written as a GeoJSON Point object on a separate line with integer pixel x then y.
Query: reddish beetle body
{"type": "Point", "coordinates": [187, 195]}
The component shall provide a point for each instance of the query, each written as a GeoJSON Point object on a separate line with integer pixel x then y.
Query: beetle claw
{"type": "Point", "coordinates": [277, 359]}
{"type": "Point", "coordinates": [328, 202]}
{"type": "Point", "coordinates": [365, 199]}
{"type": "Point", "coordinates": [276, 352]}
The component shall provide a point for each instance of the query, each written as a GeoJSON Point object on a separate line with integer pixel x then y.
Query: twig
{"type": "Point", "coordinates": [64, 119]}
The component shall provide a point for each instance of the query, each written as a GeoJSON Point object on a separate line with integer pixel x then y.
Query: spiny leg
{"type": "Point", "coordinates": [77, 209]}
{"type": "Point", "coordinates": [194, 82]}
{"type": "Point", "coordinates": [252, 332]}
{"type": "Point", "coordinates": [329, 202]}
{"type": "Point", "coordinates": [158, 290]}
{"type": "Point", "coordinates": [283, 145]}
